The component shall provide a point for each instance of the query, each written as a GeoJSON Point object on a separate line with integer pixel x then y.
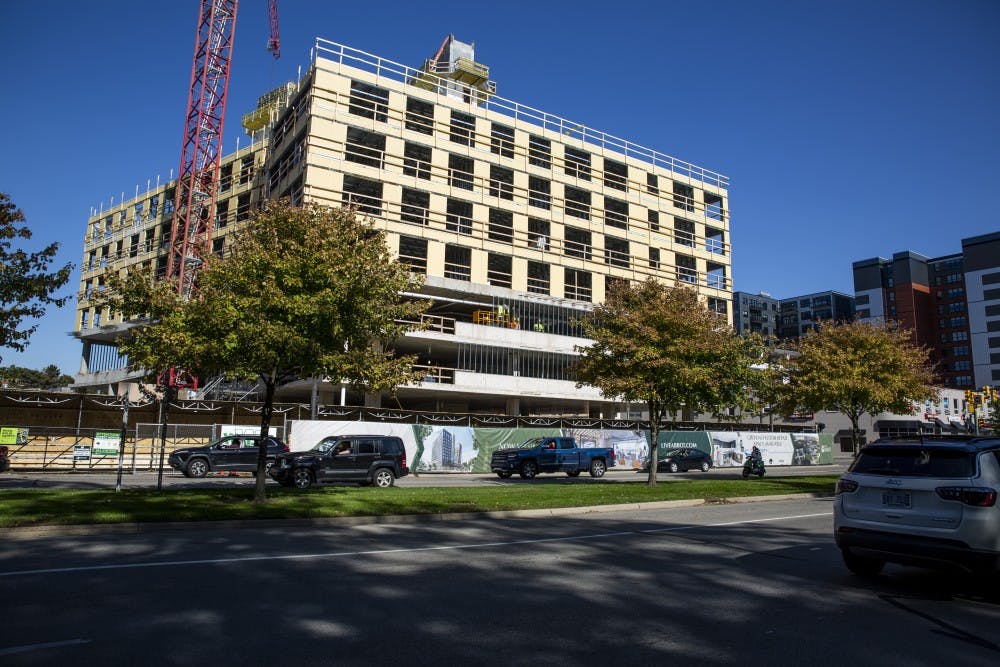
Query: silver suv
{"type": "Point", "coordinates": [928, 501]}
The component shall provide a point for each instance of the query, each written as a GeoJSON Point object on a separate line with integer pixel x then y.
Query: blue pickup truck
{"type": "Point", "coordinates": [551, 454]}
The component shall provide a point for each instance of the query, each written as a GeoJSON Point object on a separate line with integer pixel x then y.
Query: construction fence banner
{"type": "Point", "coordinates": [226, 430]}
{"type": "Point", "coordinates": [13, 435]}
{"type": "Point", "coordinates": [451, 448]}
{"type": "Point", "coordinates": [106, 443]}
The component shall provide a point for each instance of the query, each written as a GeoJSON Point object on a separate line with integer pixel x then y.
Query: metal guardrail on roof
{"type": "Point", "coordinates": [379, 66]}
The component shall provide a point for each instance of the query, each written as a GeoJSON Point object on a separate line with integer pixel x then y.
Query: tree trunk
{"type": "Point", "coordinates": [654, 438]}
{"type": "Point", "coordinates": [855, 431]}
{"type": "Point", "coordinates": [259, 495]}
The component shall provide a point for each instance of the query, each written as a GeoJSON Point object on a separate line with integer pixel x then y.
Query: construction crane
{"type": "Point", "coordinates": [198, 176]}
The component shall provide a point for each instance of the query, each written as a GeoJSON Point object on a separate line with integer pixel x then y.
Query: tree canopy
{"type": "Point", "coordinates": [26, 285]}
{"type": "Point", "coordinates": [48, 378]}
{"type": "Point", "coordinates": [661, 346]}
{"type": "Point", "coordinates": [858, 367]}
{"type": "Point", "coordinates": [303, 292]}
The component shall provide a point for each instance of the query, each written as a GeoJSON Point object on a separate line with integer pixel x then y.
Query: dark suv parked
{"type": "Point", "coordinates": [235, 453]}
{"type": "Point", "coordinates": [368, 459]}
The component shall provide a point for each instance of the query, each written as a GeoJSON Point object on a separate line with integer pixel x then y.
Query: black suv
{"type": "Point", "coordinates": [368, 459]}
{"type": "Point", "coordinates": [235, 453]}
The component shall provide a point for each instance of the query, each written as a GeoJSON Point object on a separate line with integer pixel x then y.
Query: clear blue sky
{"type": "Point", "coordinates": [848, 129]}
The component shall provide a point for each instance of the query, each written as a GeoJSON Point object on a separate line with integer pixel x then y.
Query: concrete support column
{"type": "Point", "coordinates": [513, 406]}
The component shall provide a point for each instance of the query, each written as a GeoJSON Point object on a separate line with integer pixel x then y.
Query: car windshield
{"type": "Point", "coordinates": [914, 461]}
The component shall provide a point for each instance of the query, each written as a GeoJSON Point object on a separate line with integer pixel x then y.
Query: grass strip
{"type": "Point", "coordinates": [40, 507]}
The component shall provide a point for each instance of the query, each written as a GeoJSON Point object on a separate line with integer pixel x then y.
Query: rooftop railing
{"type": "Point", "coordinates": [345, 55]}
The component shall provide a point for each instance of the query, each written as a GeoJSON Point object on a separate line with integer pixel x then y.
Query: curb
{"type": "Point", "coordinates": [28, 532]}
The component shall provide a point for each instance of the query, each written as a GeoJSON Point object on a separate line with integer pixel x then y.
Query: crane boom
{"type": "Point", "coordinates": [198, 176]}
{"type": "Point", "coordinates": [274, 42]}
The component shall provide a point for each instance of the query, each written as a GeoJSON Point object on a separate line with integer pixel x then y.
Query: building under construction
{"type": "Point", "coordinates": [518, 220]}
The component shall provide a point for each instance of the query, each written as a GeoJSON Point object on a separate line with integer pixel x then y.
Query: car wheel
{"type": "Point", "coordinates": [597, 468]}
{"type": "Point", "coordinates": [529, 469]}
{"type": "Point", "coordinates": [705, 466]}
{"type": "Point", "coordinates": [384, 478]}
{"type": "Point", "coordinates": [268, 466]}
{"type": "Point", "coordinates": [504, 475]}
{"type": "Point", "coordinates": [197, 468]}
{"type": "Point", "coordinates": [861, 565]}
{"type": "Point", "coordinates": [573, 473]}
{"type": "Point", "coordinates": [673, 467]}
{"type": "Point", "coordinates": [302, 478]}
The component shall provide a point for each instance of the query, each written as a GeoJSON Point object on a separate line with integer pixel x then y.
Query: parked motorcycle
{"type": "Point", "coordinates": [753, 466]}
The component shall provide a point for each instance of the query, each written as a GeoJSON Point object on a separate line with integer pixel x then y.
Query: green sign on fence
{"type": "Point", "coordinates": [13, 435]}
{"type": "Point", "coordinates": [106, 443]}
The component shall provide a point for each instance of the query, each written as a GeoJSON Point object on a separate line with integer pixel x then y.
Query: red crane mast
{"type": "Point", "coordinates": [198, 177]}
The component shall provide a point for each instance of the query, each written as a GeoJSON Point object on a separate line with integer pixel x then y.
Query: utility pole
{"type": "Point", "coordinates": [121, 440]}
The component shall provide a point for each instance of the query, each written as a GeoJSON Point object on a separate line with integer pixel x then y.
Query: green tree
{"type": "Point", "coordinates": [661, 346]}
{"type": "Point", "coordinates": [26, 286]}
{"type": "Point", "coordinates": [303, 291]}
{"type": "Point", "coordinates": [858, 367]}
{"type": "Point", "coordinates": [26, 378]}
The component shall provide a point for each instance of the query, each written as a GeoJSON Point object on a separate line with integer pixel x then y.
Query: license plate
{"type": "Point", "coordinates": [896, 499]}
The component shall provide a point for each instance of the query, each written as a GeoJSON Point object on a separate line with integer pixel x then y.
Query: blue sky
{"type": "Point", "coordinates": [848, 129]}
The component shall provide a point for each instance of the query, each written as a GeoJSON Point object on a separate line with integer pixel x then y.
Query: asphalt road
{"type": "Point", "coordinates": [757, 583]}
{"type": "Point", "coordinates": [84, 480]}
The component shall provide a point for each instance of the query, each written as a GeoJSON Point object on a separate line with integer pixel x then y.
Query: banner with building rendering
{"type": "Point", "coordinates": [437, 448]}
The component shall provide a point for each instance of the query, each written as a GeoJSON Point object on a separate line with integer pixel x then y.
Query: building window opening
{"type": "Point", "coordinates": [415, 206]}
{"type": "Point", "coordinates": [687, 269]}
{"type": "Point", "coordinates": [460, 172]}
{"type": "Point", "coordinates": [577, 203]}
{"type": "Point", "coordinates": [539, 152]}
{"type": "Point", "coordinates": [654, 221]}
{"type": "Point", "coordinates": [501, 226]}
{"type": "Point", "coordinates": [458, 263]}
{"type": "Point", "coordinates": [715, 276]}
{"type": "Point", "coordinates": [367, 148]}
{"type": "Point", "coordinates": [502, 140]}
{"type": "Point", "coordinates": [616, 175]}
{"type": "Point", "coordinates": [713, 207]}
{"type": "Point", "coordinates": [459, 216]}
{"type": "Point", "coordinates": [501, 182]}
{"type": "Point", "coordinates": [654, 258]}
{"type": "Point", "coordinates": [538, 277]}
{"type": "Point", "coordinates": [539, 233]}
{"type": "Point", "coordinates": [615, 213]}
{"type": "Point", "coordinates": [539, 193]}
{"type": "Point", "coordinates": [498, 270]}
{"type": "Point", "coordinates": [577, 164]}
{"type": "Point", "coordinates": [684, 232]}
{"type": "Point", "coordinates": [652, 184]}
{"type": "Point", "coordinates": [616, 252]}
{"type": "Point", "coordinates": [413, 253]}
{"type": "Point", "coordinates": [417, 161]}
{"type": "Point", "coordinates": [715, 241]}
{"type": "Point", "coordinates": [419, 116]}
{"type": "Point", "coordinates": [684, 196]}
{"type": "Point", "coordinates": [463, 128]}
{"type": "Point", "coordinates": [577, 243]}
{"type": "Point", "coordinates": [369, 101]}
{"type": "Point", "coordinates": [578, 285]}
{"type": "Point", "coordinates": [364, 194]}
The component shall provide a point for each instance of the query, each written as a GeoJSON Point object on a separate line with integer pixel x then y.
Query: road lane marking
{"type": "Point", "coordinates": [38, 647]}
{"type": "Point", "coordinates": [385, 552]}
